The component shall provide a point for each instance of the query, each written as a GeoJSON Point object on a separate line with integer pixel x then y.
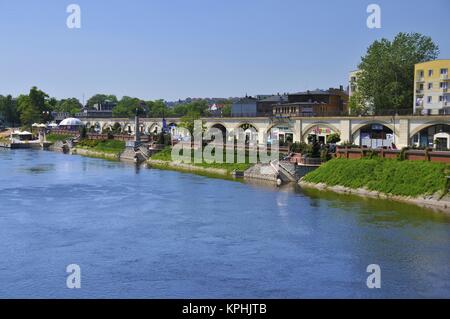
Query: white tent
{"type": "Point", "coordinates": [71, 122]}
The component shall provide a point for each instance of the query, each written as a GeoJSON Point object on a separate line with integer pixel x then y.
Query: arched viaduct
{"type": "Point", "coordinates": [402, 127]}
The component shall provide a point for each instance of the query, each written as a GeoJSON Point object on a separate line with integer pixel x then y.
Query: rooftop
{"type": "Point", "coordinates": [276, 98]}
{"type": "Point", "coordinates": [320, 92]}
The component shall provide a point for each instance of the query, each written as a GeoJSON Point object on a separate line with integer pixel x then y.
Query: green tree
{"type": "Point", "coordinates": [158, 108]}
{"type": "Point", "coordinates": [8, 110]}
{"type": "Point", "coordinates": [386, 80]}
{"type": "Point", "coordinates": [101, 98]}
{"type": "Point", "coordinates": [71, 105]}
{"type": "Point", "coordinates": [226, 111]}
{"type": "Point", "coordinates": [34, 107]}
{"type": "Point", "coordinates": [195, 107]}
{"type": "Point", "coordinates": [127, 107]}
{"type": "Point", "coordinates": [188, 122]}
{"type": "Point", "coordinates": [333, 138]}
{"type": "Point", "coordinates": [28, 113]}
{"type": "Point", "coordinates": [52, 103]}
{"type": "Point", "coordinates": [357, 105]}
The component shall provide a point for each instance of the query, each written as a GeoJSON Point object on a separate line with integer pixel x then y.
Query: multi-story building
{"type": "Point", "coordinates": [249, 106]}
{"type": "Point", "coordinates": [264, 107]}
{"type": "Point", "coordinates": [332, 102]}
{"type": "Point", "coordinates": [353, 88]}
{"type": "Point", "coordinates": [245, 107]}
{"type": "Point", "coordinates": [105, 106]}
{"type": "Point", "coordinates": [431, 87]}
{"type": "Point", "coordinates": [352, 82]}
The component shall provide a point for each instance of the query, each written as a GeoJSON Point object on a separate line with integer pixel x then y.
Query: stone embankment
{"type": "Point", "coordinates": [262, 172]}
{"type": "Point", "coordinates": [96, 154]}
{"type": "Point", "coordinates": [187, 167]}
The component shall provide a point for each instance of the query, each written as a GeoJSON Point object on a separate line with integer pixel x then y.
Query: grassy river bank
{"type": "Point", "coordinates": [420, 182]}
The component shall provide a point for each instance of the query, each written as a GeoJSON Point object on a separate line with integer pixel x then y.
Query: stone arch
{"type": "Point", "coordinates": [308, 128]}
{"type": "Point", "coordinates": [245, 124]}
{"type": "Point", "coordinates": [425, 136]}
{"type": "Point", "coordinates": [381, 138]}
{"type": "Point", "coordinates": [384, 123]}
{"type": "Point", "coordinates": [152, 126]}
{"type": "Point", "coordinates": [96, 128]}
{"type": "Point", "coordinates": [288, 122]}
{"type": "Point", "coordinates": [117, 127]}
{"type": "Point", "coordinates": [220, 127]}
{"type": "Point", "coordinates": [128, 128]}
{"type": "Point", "coordinates": [283, 132]}
{"type": "Point", "coordinates": [249, 135]}
{"type": "Point", "coordinates": [426, 125]}
{"type": "Point", "coordinates": [106, 127]}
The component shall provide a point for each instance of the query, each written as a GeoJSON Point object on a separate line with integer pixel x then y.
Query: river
{"type": "Point", "coordinates": [146, 233]}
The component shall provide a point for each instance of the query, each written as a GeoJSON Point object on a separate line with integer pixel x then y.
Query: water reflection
{"type": "Point", "coordinates": [388, 211]}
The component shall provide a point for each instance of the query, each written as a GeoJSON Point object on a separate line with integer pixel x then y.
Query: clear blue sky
{"type": "Point", "coordinates": [174, 49]}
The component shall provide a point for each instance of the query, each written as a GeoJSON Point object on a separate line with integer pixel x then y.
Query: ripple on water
{"type": "Point", "coordinates": [38, 169]}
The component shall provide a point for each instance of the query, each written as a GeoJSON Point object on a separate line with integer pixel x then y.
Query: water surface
{"type": "Point", "coordinates": [144, 233]}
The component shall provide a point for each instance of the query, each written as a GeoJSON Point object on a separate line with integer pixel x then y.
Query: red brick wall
{"type": "Point", "coordinates": [412, 155]}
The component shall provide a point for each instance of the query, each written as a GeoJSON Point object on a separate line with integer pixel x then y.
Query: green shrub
{"type": "Point", "coordinates": [299, 147]}
{"type": "Point", "coordinates": [53, 137]}
{"type": "Point", "coordinates": [333, 138]}
{"type": "Point", "coordinates": [83, 132]}
{"type": "Point", "coordinates": [370, 154]}
{"type": "Point", "coordinates": [325, 155]}
{"type": "Point", "coordinates": [402, 155]}
{"type": "Point", "coordinates": [108, 146]}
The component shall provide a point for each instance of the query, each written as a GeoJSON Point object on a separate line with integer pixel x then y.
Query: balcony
{"type": "Point", "coordinates": [419, 92]}
{"type": "Point", "coordinates": [420, 79]}
{"type": "Point", "coordinates": [444, 77]}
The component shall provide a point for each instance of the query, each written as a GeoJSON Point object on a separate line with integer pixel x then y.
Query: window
{"type": "Point", "coordinates": [429, 99]}
{"type": "Point", "coordinates": [430, 73]}
{"type": "Point", "coordinates": [430, 86]}
{"type": "Point", "coordinates": [421, 74]}
{"type": "Point", "coordinates": [443, 85]}
{"type": "Point", "coordinates": [444, 71]}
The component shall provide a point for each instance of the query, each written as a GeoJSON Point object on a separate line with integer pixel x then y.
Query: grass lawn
{"type": "Point", "coordinates": [52, 137]}
{"type": "Point", "coordinates": [405, 178]}
{"type": "Point", "coordinates": [166, 155]}
{"type": "Point", "coordinates": [106, 146]}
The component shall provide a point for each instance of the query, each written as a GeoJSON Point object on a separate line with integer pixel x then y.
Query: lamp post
{"type": "Point", "coordinates": [137, 137]}
{"type": "Point", "coordinates": [394, 129]}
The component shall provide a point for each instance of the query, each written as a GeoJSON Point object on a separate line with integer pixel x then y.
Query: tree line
{"type": "Point", "coordinates": [37, 107]}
